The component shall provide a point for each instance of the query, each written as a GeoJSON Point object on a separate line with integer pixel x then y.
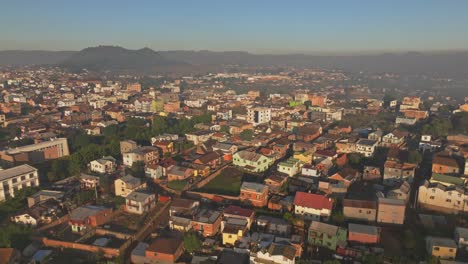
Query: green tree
{"type": "Point", "coordinates": [138, 169]}
{"type": "Point", "coordinates": [414, 157]}
{"type": "Point", "coordinates": [247, 134]}
{"type": "Point", "coordinates": [191, 242]}
{"type": "Point", "coordinates": [15, 236]}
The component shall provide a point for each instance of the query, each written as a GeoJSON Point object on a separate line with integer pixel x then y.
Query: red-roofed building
{"type": "Point", "coordinates": [234, 211]}
{"type": "Point", "coordinates": [312, 206]}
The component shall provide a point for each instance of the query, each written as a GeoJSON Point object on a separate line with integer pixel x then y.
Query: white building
{"type": "Point", "coordinates": [366, 147]}
{"type": "Point", "coordinates": [258, 115]}
{"type": "Point", "coordinates": [103, 165]}
{"type": "Point", "coordinates": [15, 179]}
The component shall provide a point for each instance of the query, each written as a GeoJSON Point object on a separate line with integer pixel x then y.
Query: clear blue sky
{"type": "Point", "coordinates": [260, 26]}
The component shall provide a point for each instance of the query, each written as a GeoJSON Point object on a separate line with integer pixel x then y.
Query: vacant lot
{"type": "Point", "coordinates": [228, 182]}
{"type": "Point", "coordinates": [177, 185]}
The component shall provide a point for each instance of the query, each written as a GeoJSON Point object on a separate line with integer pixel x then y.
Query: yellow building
{"type": "Point", "coordinates": [464, 107]}
{"type": "Point", "coordinates": [127, 184]}
{"type": "Point", "coordinates": [305, 157]}
{"type": "Point", "coordinates": [232, 233]}
{"type": "Point", "coordinates": [444, 248]}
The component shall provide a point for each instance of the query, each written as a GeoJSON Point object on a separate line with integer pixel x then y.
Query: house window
{"type": "Point", "coordinates": [448, 200]}
{"type": "Point", "coordinates": [432, 197]}
{"type": "Point", "coordinates": [436, 248]}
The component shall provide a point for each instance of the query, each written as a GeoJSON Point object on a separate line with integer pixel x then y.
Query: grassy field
{"type": "Point", "coordinates": [228, 182]}
{"type": "Point", "coordinates": [177, 185]}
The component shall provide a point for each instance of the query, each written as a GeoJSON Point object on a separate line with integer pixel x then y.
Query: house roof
{"type": "Point", "coordinates": [359, 204]}
{"type": "Point", "coordinates": [16, 171]}
{"type": "Point", "coordinates": [249, 155]}
{"type": "Point", "coordinates": [86, 211]}
{"type": "Point", "coordinates": [448, 179]}
{"type": "Point", "coordinates": [287, 251]}
{"type": "Point", "coordinates": [139, 195]}
{"type": "Point", "coordinates": [324, 228]}
{"type": "Point", "coordinates": [253, 186]}
{"type": "Point", "coordinates": [311, 200]}
{"type": "Point", "coordinates": [165, 245]}
{"type": "Point", "coordinates": [446, 161]}
{"type": "Point", "coordinates": [237, 210]}
{"type": "Point", "coordinates": [363, 229]}
{"type": "Point", "coordinates": [441, 241]}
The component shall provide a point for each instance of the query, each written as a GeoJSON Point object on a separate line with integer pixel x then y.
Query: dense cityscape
{"type": "Point", "coordinates": [283, 165]}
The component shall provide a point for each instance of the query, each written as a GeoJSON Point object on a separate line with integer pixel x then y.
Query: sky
{"type": "Point", "coordinates": [258, 26]}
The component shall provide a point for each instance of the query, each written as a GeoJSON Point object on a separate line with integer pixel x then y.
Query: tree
{"type": "Point", "coordinates": [414, 157]}
{"type": "Point", "coordinates": [15, 236]}
{"type": "Point", "coordinates": [138, 169]}
{"type": "Point", "coordinates": [247, 134]}
{"type": "Point", "coordinates": [191, 242]}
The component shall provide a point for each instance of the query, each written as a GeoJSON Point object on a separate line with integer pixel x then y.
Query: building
{"type": "Point", "coordinates": [15, 179]}
{"type": "Point", "coordinates": [363, 234]}
{"type": "Point", "coordinates": [140, 202]}
{"type": "Point", "coordinates": [88, 216]}
{"type": "Point", "coordinates": [36, 153]}
{"type": "Point", "coordinates": [290, 167]}
{"type": "Point", "coordinates": [277, 253]}
{"type": "Point", "coordinates": [207, 222]}
{"type": "Point", "coordinates": [445, 165]}
{"type": "Point", "coordinates": [443, 248]}
{"type": "Point", "coordinates": [89, 182]}
{"type": "Point", "coordinates": [199, 136]}
{"type": "Point", "coordinates": [179, 173]}
{"type": "Point", "coordinates": [410, 102]}
{"type": "Point", "coordinates": [233, 230]}
{"type": "Point", "coordinates": [312, 206]}
{"type": "Point", "coordinates": [127, 184]}
{"type": "Point", "coordinates": [391, 211]}
{"type": "Point", "coordinates": [438, 197]}
{"type": "Point", "coordinates": [238, 212]}
{"type": "Point", "coordinates": [103, 165]}
{"type": "Point", "coordinates": [127, 146]}
{"type": "Point", "coordinates": [395, 139]}
{"type": "Point", "coordinates": [146, 154]}
{"type": "Point", "coordinates": [252, 161]}
{"type": "Point", "coordinates": [395, 172]}
{"type": "Point", "coordinates": [254, 193]}
{"type": "Point", "coordinates": [360, 210]}
{"type": "Point", "coordinates": [154, 171]}
{"type": "Point", "coordinates": [326, 235]}
{"type": "Point", "coordinates": [41, 213]}
{"type": "Point", "coordinates": [164, 249]}
{"type": "Point", "coordinates": [258, 115]}
{"type": "Point", "coordinates": [366, 147]}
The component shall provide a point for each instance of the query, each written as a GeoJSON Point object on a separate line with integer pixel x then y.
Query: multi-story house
{"type": "Point", "coordinates": [154, 171]}
{"type": "Point", "coordinates": [395, 139]}
{"type": "Point", "coordinates": [326, 235]}
{"type": "Point", "coordinates": [127, 146]}
{"type": "Point", "coordinates": [442, 248]}
{"type": "Point", "coordinates": [199, 136]}
{"type": "Point", "coordinates": [258, 115]}
{"type": "Point", "coordinates": [362, 210]}
{"type": "Point", "coordinates": [146, 154]}
{"type": "Point", "coordinates": [252, 161]}
{"type": "Point", "coordinates": [36, 153]}
{"type": "Point", "coordinates": [280, 253]}
{"type": "Point", "coordinates": [88, 216]}
{"type": "Point", "coordinates": [140, 202]}
{"type": "Point", "coordinates": [17, 178]}
{"type": "Point", "coordinates": [363, 234]}
{"type": "Point", "coordinates": [178, 173]}
{"type": "Point", "coordinates": [401, 192]}
{"type": "Point", "coordinates": [312, 206]}
{"type": "Point", "coordinates": [254, 193]}
{"type": "Point", "coordinates": [290, 167]}
{"type": "Point", "coordinates": [445, 165]}
{"type": "Point", "coordinates": [103, 165]}
{"type": "Point", "coordinates": [395, 171]}
{"type": "Point", "coordinates": [366, 147]}
{"type": "Point", "coordinates": [391, 211]}
{"type": "Point", "coordinates": [127, 184]}
{"type": "Point", "coordinates": [442, 198]}
{"type": "Point", "coordinates": [207, 222]}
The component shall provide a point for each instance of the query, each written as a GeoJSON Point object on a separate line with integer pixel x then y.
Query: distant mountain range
{"type": "Point", "coordinates": [112, 58]}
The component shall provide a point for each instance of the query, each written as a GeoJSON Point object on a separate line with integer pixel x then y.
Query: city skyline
{"type": "Point", "coordinates": [301, 27]}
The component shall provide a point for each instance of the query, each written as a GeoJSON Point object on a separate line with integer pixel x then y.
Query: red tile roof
{"type": "Point", "coordinates": [311, 200]}
{"type": "Point", "coordinates": [237, 210]}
